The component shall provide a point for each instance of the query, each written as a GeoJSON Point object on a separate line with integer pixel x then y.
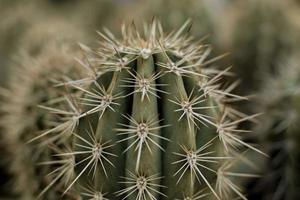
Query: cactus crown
{"type": "Point", "coordinates": [148, 120]}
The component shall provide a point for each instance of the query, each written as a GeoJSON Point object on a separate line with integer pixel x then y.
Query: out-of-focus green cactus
{"type": "Point", "coordinates": [40, 18]}
{"type": "Point", "coordinates": [21, 118]}
{"type": "Point", "coordinates": [50, 45]}
{"type": "Point", "coordinates": [280, 101]}
{"type": "Point", "coordinates": [11, 30]}
{"type": "Point", "coordinates": [149, 120]}
{"type": "Point", "coordinates": [177, 15]}
{"type": "Point", "coordinates": [259, 34]}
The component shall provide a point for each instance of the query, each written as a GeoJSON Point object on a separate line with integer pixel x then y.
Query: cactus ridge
{"type": "Point", "coordinates": [149, 118]}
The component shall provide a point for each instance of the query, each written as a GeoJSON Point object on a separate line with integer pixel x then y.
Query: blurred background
{"type": "Point", "coordinates": [262, 38]}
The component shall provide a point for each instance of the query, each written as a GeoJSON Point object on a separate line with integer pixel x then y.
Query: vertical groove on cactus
{"type": "Point", "coordinates": [149, 118]}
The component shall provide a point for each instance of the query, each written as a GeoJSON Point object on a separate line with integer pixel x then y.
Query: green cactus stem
{"type": "Point", "coordinates": [150, 120]}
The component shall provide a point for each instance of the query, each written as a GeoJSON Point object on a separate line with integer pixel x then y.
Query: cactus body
{"type": "Point", "coordinates": [150, 120]}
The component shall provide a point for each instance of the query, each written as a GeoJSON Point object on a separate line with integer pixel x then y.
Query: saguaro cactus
{"type": "Point", "coordinates": [149, 121]}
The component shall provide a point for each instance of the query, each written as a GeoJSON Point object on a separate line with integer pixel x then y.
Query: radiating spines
{"type": "Point", "coordinates": [214, 87]}
{"type": "Point", "coordinates": [152, 42]}
{"type": "Point", "coordinates": [133, 42]}
{"type": "Point", "coordinates": [141, 133]}
{"type": "Point", "coordinates": [64, 169]}
{"type": "Point", "coordinates": [225, 185]}
{"type": "Point", "coordinates": [108, 43]}
{"type": "Point", "coordinates": [180, 68]}
{"type": "Point", "coordinates": [195, 162]}
{"type": "Point", "coordinates": [117, 63]}
{"type": "Point", "coordinates": [92, 153]}
{"type": "Point", "coordinates": [230, 135]}
{"type": "Point", "coordinates": [190, 108]}
{"type": "Point", "coordinates": [142, 45]}
{"type": "Point", "coordinates": [141, 187]}
{"type": "Point", "coordinates": [144, 85]}
{"type": "Point", "coordinates": [66, 120]}
{"type": "Point", "coordinates": [98, 99]}
{"type": "Point", "coordinates": [201, 194]}
{"type": "Point", "coordinates": [93, 194]}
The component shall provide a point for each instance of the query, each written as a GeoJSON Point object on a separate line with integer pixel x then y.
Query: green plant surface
{"type": "Point", "coordinates": [146, 117]}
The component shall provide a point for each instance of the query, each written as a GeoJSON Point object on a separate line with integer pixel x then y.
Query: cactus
{"type": "Point", "coordinates": [260, 34]}
{"type": "Point", "coordinates": [259, 43]}
{"type": "Point", "coordinates": [279, 99]}
{"type": "Point", "coordinates": [21, 118]}
{"type": "Point", "coordinates": [149, 120]}
{"type": "Point", "coordinates": [179, 11]}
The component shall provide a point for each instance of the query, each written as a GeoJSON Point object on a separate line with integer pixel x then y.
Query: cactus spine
{"type": "Point", "coordinates": [133, 127]}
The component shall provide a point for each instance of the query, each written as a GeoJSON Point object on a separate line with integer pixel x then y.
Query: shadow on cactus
{"type": "Point", "coordinates": [149, 120]}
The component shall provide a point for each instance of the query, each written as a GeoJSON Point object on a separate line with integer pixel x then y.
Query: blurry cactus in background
{"type": "Point", "coordinates": [35, 18]}
{"type": "Point", "coordinates": [42, 55]}
{"type": "Point", "coordinates": [261, 33]}
{"type": "Point", "coordinates": [146, 117]}
{"type": "Point", "coordinates": [280, 134]}
{"type": "Point", "coordinates": [149, 114]}
{"type": "Point", "coordinates": [11, 30]}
